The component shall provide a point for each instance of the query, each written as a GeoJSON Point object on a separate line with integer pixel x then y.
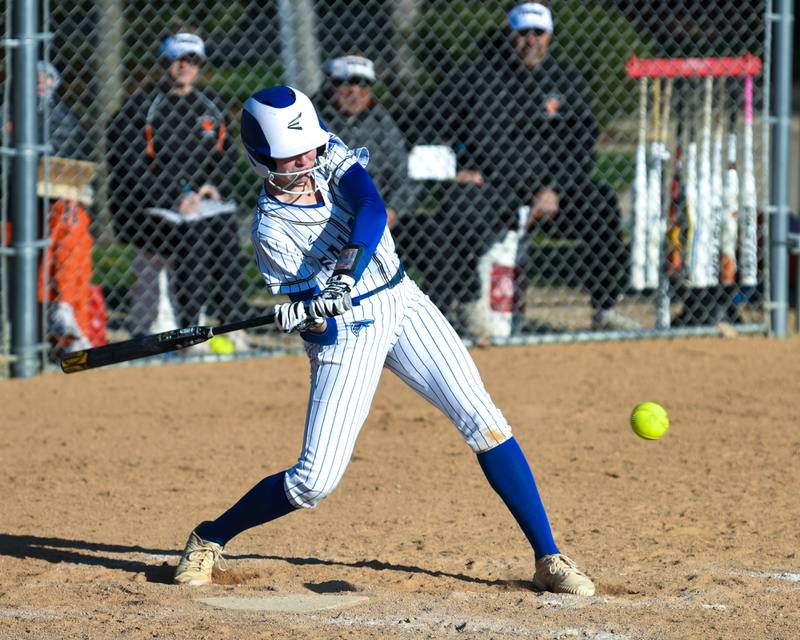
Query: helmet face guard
{"type": "Point", "coordinates": [294, 177]}
{"type": "Point", "coordinates": [281, 122]}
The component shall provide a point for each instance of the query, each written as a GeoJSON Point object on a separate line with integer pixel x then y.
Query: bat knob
{"type": "Point", "coordinates": [75, 361]}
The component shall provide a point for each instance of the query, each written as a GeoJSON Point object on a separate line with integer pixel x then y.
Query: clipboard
{"type": "Point", "coordinates": [208, 209]}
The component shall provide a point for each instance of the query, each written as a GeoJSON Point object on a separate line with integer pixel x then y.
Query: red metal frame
{"type": "Point", "coordinates": [747, 65]}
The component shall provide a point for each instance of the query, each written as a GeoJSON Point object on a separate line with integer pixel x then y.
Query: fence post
{"type": "Point", "coordinates": [779, 211]}
{"type": "Point", "coordinates": [23, 192]}
{"type": "Point", "coordinates": [299, 47]}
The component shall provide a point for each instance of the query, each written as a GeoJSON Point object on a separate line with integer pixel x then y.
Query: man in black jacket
{"type": "Point", "coordinates": [169, 149]}
{"type": "Point", "coordinates": [350, 108]}
{"type": "Point", "coordinates": [526, 134]}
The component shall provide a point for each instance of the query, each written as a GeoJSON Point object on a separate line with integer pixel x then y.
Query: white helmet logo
{"type": "Point", "coordinates": [295, 123]}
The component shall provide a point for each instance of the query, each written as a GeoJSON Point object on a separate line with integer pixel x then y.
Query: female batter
{"type": "Point", "coordinates": [321, 238]}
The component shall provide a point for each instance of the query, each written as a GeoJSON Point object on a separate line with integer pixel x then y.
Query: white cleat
{"type": "Point", "coordinates": [197, 561]}
{"type": "Point", "coordinates": [559, 574]}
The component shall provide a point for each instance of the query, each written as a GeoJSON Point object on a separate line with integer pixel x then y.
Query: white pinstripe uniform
{"type": "Point", "coordinates": [398, 328]}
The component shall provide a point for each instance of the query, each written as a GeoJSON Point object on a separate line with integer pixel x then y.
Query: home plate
{"type": "Point", "coordinates": [298, 603]}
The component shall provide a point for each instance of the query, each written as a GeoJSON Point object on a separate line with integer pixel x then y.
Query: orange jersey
{"type": "Point", "coordinates": [68, 264]}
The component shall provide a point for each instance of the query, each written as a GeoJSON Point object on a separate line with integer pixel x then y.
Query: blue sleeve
{"type": "Point", "coordinates": [359, 192]}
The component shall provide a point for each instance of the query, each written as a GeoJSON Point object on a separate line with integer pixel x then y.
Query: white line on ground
{"type": "Point", "coordinates": [158, 556]}
{"type": "Point", "coordinates": [440, 625]}
{"type": "Point", "coordinates": [32, 614]}
{"type": "Point", "coordinates": [791, 577]}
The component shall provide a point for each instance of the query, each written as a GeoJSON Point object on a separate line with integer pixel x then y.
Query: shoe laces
{"type": "Point", "coordinates": [199, 557]}
{"type": "Point", "coordinates": [562, 565]}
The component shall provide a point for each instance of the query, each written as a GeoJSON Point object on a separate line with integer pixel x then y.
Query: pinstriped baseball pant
{"type": "Point", "coordinates": [408, 335]}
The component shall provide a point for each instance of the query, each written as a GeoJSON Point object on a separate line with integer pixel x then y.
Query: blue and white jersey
{"type": "Point", "coordinates": [297, 246]}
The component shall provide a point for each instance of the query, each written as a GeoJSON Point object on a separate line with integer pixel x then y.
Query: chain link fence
{"type": "Point", "coordinates": [505, 146]}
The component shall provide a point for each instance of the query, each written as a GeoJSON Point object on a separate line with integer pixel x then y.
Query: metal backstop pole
{"type": "Point", "coordinates": [781, 133]}
{"type": "Point", "coordinates": [299, 47]}
{"type": "Point", "coordinates": [23, 192]}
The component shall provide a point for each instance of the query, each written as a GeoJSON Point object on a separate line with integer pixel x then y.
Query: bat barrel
{"type": "Point", "coordinates": [134, 349]}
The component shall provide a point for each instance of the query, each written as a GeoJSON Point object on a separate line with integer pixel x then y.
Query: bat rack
{"type": "Point", "coordinates": [666, 250]}
{"type": "Point", "coordinates": [746, 65]}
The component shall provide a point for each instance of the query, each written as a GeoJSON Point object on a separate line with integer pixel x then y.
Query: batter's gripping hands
{"type": "Point", "coordinates": [334, 299]}
{"type": "Point", "coordinates": [292, 316]}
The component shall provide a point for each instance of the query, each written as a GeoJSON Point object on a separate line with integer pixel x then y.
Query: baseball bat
{"type": "Point", "coordinates": [691, 191]}
{"type": "Point", "coordinates": [152, 345]}
{"type": "Point", "coordinates": [748, 255]}
{"type": "Point", "coordinates": [639, 240]}
{"type": "Point", "coordinates": [658, 237]}
{"type": "Point", "coordinates": [727, 265]}
{"type": "Point", "coordinates": [717, 189]}
{"type": "Point", "coordinates": [674, 259]}
{"type": "Point", "coordinates": [654, 194]}
{"type": "Point", "coordinates": [702, 234]}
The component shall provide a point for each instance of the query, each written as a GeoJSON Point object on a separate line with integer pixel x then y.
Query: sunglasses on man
{"type": "Point", "coordinates": [528, 32]}
{"type": "Point", "coordinates": [191, 58]}
{"type": "Point", "coordinates": [351, 82]}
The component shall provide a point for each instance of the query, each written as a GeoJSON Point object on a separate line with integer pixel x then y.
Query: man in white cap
{"type": "Point", "coordinates": [350, 108]}
{"type": "Point", "coordinates": [169, 149]}
{"type": "Point", "coordinates": [527, 135]}
{"type": "Point", "coordinates": [532, 23]}
{"type": "Point", "coordinates": [67, 136]}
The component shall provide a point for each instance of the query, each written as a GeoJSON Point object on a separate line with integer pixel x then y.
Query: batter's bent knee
{"type": "Point", "coordinates": [307, 492]}
{"type": "Point", "coordinates": [487, 438]}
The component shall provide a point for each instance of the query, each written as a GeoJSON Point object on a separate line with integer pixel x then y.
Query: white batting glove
{"type": "Point", "coordinates": [292, 316]}
{"type": "Point", "coordinates": [334, 299]}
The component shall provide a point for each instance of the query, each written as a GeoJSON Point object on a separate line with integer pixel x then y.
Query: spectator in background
{"type": "Point", "coordinates": [526, 134]}
{"type": "Point", "coordinates": [169, 149]}
{"type": "Point", "coordinates": [350, 108]}
{"type": "Point", "coordinates": [67, 136]}
{"type": "Point", "coordinates": [76, 311]}
{"type": "Point", "coordinates": [76, 317]}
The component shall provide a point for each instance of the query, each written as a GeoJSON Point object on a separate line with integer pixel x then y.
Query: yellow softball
{"type": "Point", "coordinates": [649, 420]}
{"type": "Point", "coordinates": [221, 345]}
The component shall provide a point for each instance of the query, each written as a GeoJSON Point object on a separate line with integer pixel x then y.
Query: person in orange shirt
{"type": "Point", "coordinates": [76, 315]}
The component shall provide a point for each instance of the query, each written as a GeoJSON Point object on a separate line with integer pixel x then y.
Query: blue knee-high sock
{"type": "Point", "coordinates": [508, 472]}
{"type": "Point", "coordinates": [264, 502]}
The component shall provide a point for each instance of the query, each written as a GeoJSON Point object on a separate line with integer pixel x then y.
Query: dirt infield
{"type": "Point", "coordinates": [695, 536]}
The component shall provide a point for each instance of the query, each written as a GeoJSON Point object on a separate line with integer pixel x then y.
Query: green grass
{"type": "Point", "coordinates": [113, 270]}
{"type": "Point", "coordinates": [614, 168]}
{"type": "Point", "coordinates": [237, 84]}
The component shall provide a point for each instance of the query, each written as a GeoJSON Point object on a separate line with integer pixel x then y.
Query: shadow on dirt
{"type": "Point", "coordinates": [57, 550]}
{"type": "Point", "coordinates": [101, 554]}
